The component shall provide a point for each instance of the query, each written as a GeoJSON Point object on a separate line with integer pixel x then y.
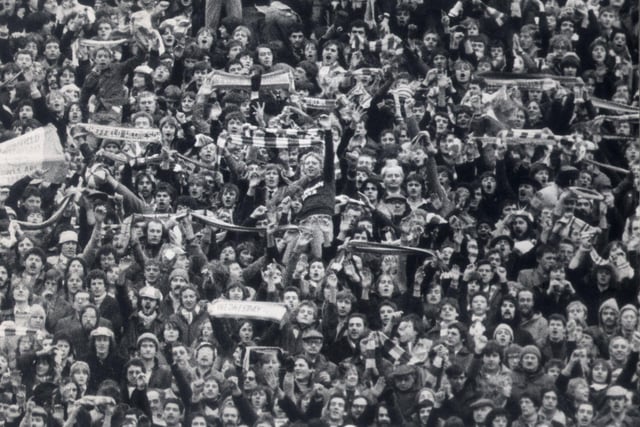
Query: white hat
{"type": "Point", "coordinates": [101, 331]}
{"type": "Point", "coordinates": [68, 236]}
{"type": "Point", "coordinates": [143, 69]}
{"type": "Point", "coordinates": [150, 292]}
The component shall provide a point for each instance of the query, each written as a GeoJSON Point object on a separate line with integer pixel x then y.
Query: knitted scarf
{"type": "Point", "coordinates": [147, 320]}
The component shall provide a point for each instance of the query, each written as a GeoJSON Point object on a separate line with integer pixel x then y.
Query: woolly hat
{"type": "Point", "coordinates": [148, 336]}
{"type": "Point", "coordinates": [629, 307]}
{"type": "Point", "coordinates": [531, 349]}
{"type": "Point", "coordinates": [179, 272]}
{"type": "Point", "coordinates": [503, 326]}
{"type": "Point", "coordinates": [610, 303]}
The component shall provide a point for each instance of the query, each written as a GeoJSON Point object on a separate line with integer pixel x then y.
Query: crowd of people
{"type": "Point", "coordinates": [418, 213]}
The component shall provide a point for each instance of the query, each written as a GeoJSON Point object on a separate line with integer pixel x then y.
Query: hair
{"type": "Point", "coordinates": [135, 362]}
{"type": "Point", "coordinates": [176, 401]}
{"type": "Point", "coordinates": [96, 274]}
{"type": "Point", "coordinates": [493, 348]}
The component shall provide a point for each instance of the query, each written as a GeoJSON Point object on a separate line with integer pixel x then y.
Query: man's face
{"type": "Point", "coordinates": [606, 19]}
{"type": "Point", "coordinates": [393, 178]}
{"type": "Point", "coordinates": [619, 349]}
{"type": "Point", "coordinates": [609, 317]}
{"type": "Point", "coordinates": [52, 51]}
{"type": "Point", "coordinates": [154, 233]}
{"type": "Point", "coordinates": [33, 264]}
{"type": "Point", "coordinates": [507, 310]}
{"type": "Point", "coordinates": [228, 198]}
{"type": "Point", "coordinates": [617, 404]}
{"type": "Point", "coordinates": [480, 414]}
{"type": "Point", "coordinates": [479, 305]}
{"type": "Point", "coordinates": [527, 408]}
{"type": "Point", "coordinates": [336, 408]}
{"type": "Point", "coordinates": [584, 415]}
{"type": "Point", "coordinates": [24, 61]}
{"type": "Point", "coordinates": [291, 300]}
{"type": "Point", "coordinates": [344, 307]}
{"type": "Point", "coordinates": [97, 287]}
{"type": "Point", "coordinates": [565, 253]}
{"type": "Point", "coordinates": [355, 328]}
{"type": "Point", "coordinates": [230, 416]}
{"type": "Point", "coordinates": [530, 362]}
{"type": "Point", "coordinates": [556, 330]}
{"type": "Point", "coordinates": [296, 39]}
{"type": "Point", "coordinates": [330, 54]}
{"type": "Point", "coordinates": [205, 356]}
{"type": "Point", "coordinates": [188, 299]}
{"type": "Point", "coordinates": [402, 16]}
{"type": "Point", "coordinates": [102, 59]}
{"type": "Point", "coordinates": [147, 350]}
{"type": "Point", "coordinates": [547, 261]}
{"type": "Point", "coordinates": [171, 413]}
{"type": "Point", "coordinates": [488, 184]}
{"type": "Point", "coordinates": [525, 302]}
{"type": "Point", "coordinates": [265, 56]}
{"type": "Point", "coordinates": [102, 343]}
{"type": "Point", "coordinates": [163, 200]}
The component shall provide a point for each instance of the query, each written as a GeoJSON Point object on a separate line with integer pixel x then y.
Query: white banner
{"type": "Point", "coordinates": [246, 310]}
{"type": "Point", "coordinates": [38, 149]}
{"type": "Point", "coordinates": [121, 133]}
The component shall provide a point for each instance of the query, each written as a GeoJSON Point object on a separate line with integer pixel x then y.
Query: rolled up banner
{"type": "Point", "coordinates": [623, 117]}
{"type": "Point", "coordinates": [94, 44]}
{"type": "Point", "coordinates": [16, 331]}
{"type": "Point", "coordinates": [529, 81]}
{"type": "Point", "coordinates": [121, 133]}
{"type": "Point", "coordinates": [618, 107]}
{"type": "Point", "coordinates": [195, 162]}
{"type": "Point", "coordinates": [214, 222]}
{"type": "Point", "coordinates": [258, 310]}
{"type": "Point", "coordinates": [161, 217]}
{"type": "Point", "coordinates": [319, 104]}
{"type": "Point", "coordinates": [387, 249]}
{"type": "Point", "coordinates": [529, 136]}
{"type": "Point", "coordinates": [604, 165]}
{"type": "Point", "coordinates": [618, 137]}
{"type": "Point", "coordinates": [50, 221]}
{"type": "Point", "coordinates": [586, 193]}
{"type": "Point", "coordinates": [281, 79]}
{"type": "Point", "coordinates": [362, 72]}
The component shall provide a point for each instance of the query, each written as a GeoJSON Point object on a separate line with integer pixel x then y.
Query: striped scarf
{"type": "Point", "coordinates": [390, 349]}
{"type": "Point", "coordinates": [319, 104]}
{"type": "Point", "coordinates": [275, 138]}
{"type": "Point", "coordinates": [281, 79]}
{"type": "Point", "coordinates": [527, 81]}
{"type": "Point", "coordinates": [388, 43]}
{"type": "Point", "coordinates": [17, 331]}
{"type": "Point", "coordinates": [121, 133]}
{"type": "Point", "coordinates": [604, 104]}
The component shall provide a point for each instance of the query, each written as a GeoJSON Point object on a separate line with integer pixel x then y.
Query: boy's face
{"type": "Point", "coordinates": [24, 61]}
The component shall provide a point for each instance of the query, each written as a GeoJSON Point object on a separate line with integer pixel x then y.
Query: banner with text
{"type": "Point", "coordinates": [246, 310]}
{"type": "Point", "coordinates": [38, 149]}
